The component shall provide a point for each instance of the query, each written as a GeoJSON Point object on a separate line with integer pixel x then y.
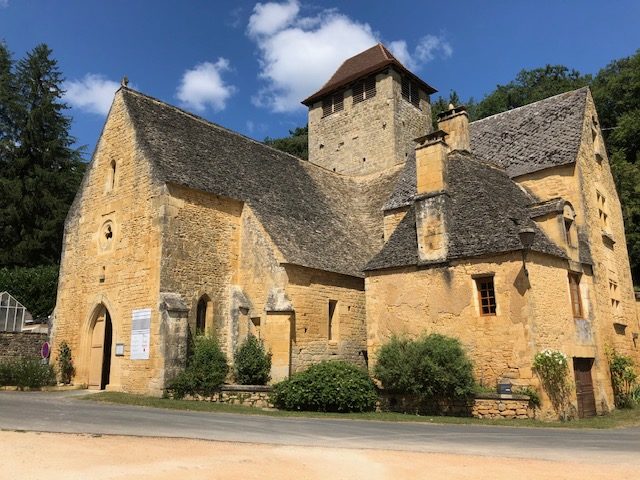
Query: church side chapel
{"type": "Point", "coordinates": [505, 233]}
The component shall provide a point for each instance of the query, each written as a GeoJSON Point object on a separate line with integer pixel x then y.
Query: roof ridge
{"type": "Point", "coordinates": [586, 88]}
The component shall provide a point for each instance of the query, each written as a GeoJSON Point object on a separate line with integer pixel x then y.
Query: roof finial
{"type": "Point", "coordinates": [451, 106]}
{"type": "Point", "coordinates": [125, 81]}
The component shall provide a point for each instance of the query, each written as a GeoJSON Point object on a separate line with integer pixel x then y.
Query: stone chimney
{"type": "Point", "coordinates": [455, 122]}
{"type": "Point", "coordinates": [432, 198]}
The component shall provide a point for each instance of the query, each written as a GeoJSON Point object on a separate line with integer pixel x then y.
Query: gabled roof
{"type": "Point", "coordinates": [365, 63]}
{"type": "Point", "coordinates": [484, 213]}
{"type": "Point", "coordinates": [315, 217]}
{"type": "Point", "coordinates": [527, 139]}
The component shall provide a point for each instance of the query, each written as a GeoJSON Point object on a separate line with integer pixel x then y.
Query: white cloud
{"type": "Point", "coordinates": [203, 86]}
{"type": "Point", "coordinates": [4, 3]}
{"type": "Point", "coordinates": [299, 53]}
{"type": "Point", "coordinates": [93, 93]}
{"type": "Point", "coordinates": [268, 18]}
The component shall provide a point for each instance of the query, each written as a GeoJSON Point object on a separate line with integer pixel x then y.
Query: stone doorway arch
{"type": "Point", "coordinates": [100, 349]}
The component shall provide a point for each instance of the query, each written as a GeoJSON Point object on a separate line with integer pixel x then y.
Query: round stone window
{"type": "Point", "coordinates": [106, 235]}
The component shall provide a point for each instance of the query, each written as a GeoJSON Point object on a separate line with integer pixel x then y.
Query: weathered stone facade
{"type": "Point", "coordinates": [21, 345]}
{"type": "Point", "coordinates": [208, 230]}
{"type": "Point", "coordinates": [371, 135]}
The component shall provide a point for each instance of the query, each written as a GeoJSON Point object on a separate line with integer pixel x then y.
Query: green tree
{"type": "Point", "coordinates": [530, 86]}
{"type": "Point", "coordinates": [42, 171]}
{"type": "Point", "coordinates": [616, 92]}
{"type": "Point", "coordinates": [297, 143]}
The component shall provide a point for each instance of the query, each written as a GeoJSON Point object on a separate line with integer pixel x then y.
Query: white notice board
{"type": "Point", "coordinates": [140, 333]}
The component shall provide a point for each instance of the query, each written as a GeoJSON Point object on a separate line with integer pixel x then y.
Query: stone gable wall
{"type": "Point", "coordinates": [124, 275]}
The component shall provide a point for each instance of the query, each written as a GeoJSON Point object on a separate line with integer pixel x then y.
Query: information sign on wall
{"type": "Point", "coordinates": [140, 333]}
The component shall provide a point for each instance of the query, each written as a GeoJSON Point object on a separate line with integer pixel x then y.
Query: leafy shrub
{"type": "Point", "coordinates": [65, 363]}
{"type": "Point", "coordinates": [553, 369]}
{"type": "Point", "coordinates": [434, 367]}
{"type": "Point", "coordinates": [532, 393]}
{"type": "Point", "coordinates": [623, 379]}
{"type": "Point", "coordinates": [206, 370]}
{"type": "Point", "coordinates": [330, 386]}
{"type": "Point", "coordinates": [34, 287]}
{"type": "Point", "coordinates": [252, 363]}
{"type": "Point", "coordinates": [27, 373]}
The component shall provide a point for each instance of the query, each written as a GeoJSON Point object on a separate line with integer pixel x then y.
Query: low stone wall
{"type": "Point", "coordinates": [249, 395]}
{"type": "Point", "coordinates": [503, 406]}
{"type": "Point", "coordinates": [488, 405]}
{"type": "Point", "coordinates": [15, 345]}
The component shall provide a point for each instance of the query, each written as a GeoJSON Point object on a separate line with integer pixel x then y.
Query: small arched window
{"type": "Point", "coordinates": [201, 316]}
{"type": "Point", "coordinates": [112, 176]}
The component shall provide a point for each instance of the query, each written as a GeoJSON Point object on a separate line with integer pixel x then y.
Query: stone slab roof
{"type": "Point", "coordinates": [316, 218]}
{"type": "Point", "coordinates": [486, 209]}
{"type": "Point", "coordinates": [540, 135]}
{"type": "Point", "coordinates": [365, 63]}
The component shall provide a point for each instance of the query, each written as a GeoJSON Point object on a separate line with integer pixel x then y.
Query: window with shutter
{"type": "Point", "coordinates": [410, 92]}
{"type": "Point", "coordinates": [332, 104]}
{"type": "Point", "coordinates": [574, 289]}
{"type": "Point", "coordinates": [364, 89]}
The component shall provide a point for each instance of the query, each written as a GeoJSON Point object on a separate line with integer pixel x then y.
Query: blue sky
{"type": "Point", "coordinates": [246, 65]}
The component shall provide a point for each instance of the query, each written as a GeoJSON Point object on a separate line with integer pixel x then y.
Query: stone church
{"type": "Point", "coordinates": [506, 233]}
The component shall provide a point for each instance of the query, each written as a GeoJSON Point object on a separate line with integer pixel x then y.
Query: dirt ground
{"type": "Point", "coordinates": [69, 457]}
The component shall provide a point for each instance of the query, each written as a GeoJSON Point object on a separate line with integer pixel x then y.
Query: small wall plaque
{"type": "Point", "coordinates": [119, 349]}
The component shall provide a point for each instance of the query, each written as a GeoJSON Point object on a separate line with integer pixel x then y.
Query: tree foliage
{"type": "Point", "coordinates": [34, 287]}
{"type": "Point", "coordinates": [297, 143]}
{"type": "Point", "coordinates": [40, 171]}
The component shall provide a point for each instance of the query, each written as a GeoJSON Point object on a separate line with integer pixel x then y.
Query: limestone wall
{"type": "Point", "coordinates": [200, 249]}
{"type": "Point", "coordinates": [119, 271]}
{"type": "Point", "coordinates": [532, 314]}
{"type": "Point", "coordinates": [371, 135]}
{"type": "Point", "coordinates": [21, 345]}
{"type": "Point", "coordinates": [310, 292]}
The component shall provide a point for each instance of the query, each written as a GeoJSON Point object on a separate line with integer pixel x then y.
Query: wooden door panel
{"type": "Point", "coordinates": [584, 387]}
{"type": "Point", "coordinates": [97, 348]}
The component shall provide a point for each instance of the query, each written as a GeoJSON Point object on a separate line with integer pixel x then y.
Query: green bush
{"type": "Point", "coordinates": [206, 370]}
{"type": "Point", "coordinates": [27, 373]}
{"type": "Point", "coordinates": [252, 363]}
{"type": "Point", "coordinates": [65, 363]}
{"type": "Point", "coordinates": [34, 287]}
{"type": "Point", "coordinates": [434, 367]}
{"type": "Point", "coordinates": [330, 386]}
{"type": "Point", "coordinates": [532, 393]}
{"type": "Point", "coordinates": [623, 379]}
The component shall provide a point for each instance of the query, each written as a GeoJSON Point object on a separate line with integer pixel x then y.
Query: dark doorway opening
{"type": "Point", "coordinates": [584, 387]}
{"type": "Point", "coordinates": [106, 353]}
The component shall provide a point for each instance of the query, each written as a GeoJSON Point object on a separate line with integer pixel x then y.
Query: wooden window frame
{"type": "Point", "coordinates": [575, 294]}
{"type": "Point", "coordinates": [485, 287]}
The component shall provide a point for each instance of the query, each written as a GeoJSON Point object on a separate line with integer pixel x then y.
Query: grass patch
{"type": "Point", "coordinates": [617, 419]}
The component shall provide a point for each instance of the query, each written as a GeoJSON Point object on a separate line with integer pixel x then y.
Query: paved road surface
{"type": "Point", "coordinates": [64, 412]}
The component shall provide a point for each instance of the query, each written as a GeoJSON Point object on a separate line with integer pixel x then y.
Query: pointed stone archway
{"type": "Point", "coordinates": [100, 349]}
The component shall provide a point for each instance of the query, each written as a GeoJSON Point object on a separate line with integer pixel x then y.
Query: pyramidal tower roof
{"type": "Point", "coordinates": [365, 63]}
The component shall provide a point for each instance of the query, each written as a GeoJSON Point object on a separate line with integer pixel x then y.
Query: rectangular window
{"type": "Point", "coordinates": [574, 290]}
{"type": "Point", "coordinates": [332, 104]}
{"type": "Point", "coordinates": [332, 327]}
{"type": "Point", "coordinates": [364, 89]}
{"type": "Point", "coordinates": [410, 92]}
{"type": "Point", "coordinates": [486, 296]}
{"type": "Point", "coordinates": [614, 296]}
{"type": "Point", "coordinates": [602, 211]}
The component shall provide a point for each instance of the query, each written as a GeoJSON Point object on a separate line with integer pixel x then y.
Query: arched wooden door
{"type": "Point", "coordinates": [100, 360]}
